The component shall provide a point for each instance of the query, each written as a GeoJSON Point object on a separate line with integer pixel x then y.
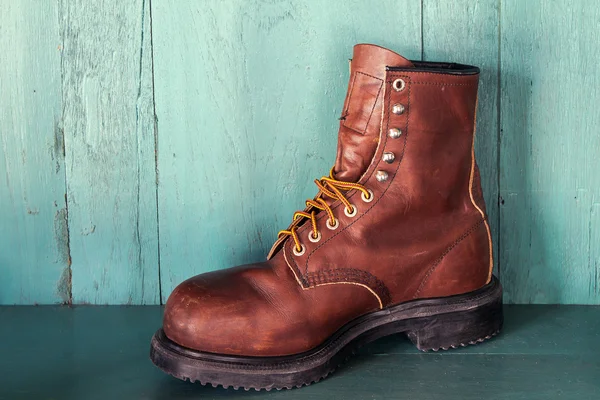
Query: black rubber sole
{"type": "Point", "coordinates": [431, 324]}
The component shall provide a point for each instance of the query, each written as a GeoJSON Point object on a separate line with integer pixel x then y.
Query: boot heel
{"type": "Point", "coordinates": [456, 329]}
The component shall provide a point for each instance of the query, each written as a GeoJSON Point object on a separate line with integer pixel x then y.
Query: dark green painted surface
{"type": "Point", "coordinates": [545, 352]}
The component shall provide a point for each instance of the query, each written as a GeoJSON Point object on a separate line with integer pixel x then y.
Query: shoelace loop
{"type": "Point", "coordinates": [332, 188]}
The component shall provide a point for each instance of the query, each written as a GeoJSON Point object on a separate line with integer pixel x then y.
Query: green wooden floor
{"type": "Point", "coordinates": [544, 352]}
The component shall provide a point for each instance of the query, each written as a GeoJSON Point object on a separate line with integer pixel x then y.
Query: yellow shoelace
{"type": "Point", "coordinates": [332, 188]}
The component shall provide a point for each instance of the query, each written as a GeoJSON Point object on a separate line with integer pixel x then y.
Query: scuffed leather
{"type": "Point", "coordinates": [422, 235]}
{"type": "Point", "coordinates": [259, 310]}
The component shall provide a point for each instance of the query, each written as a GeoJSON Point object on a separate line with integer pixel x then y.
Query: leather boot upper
{"type": "Point", "coordinates": [406, 134]}
{"type": "Point", "coordinates": [361, 114]}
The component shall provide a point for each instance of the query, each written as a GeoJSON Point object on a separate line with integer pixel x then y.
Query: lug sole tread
{"type": "Point", "coordinates": [260, 388]}
{"type": "Point", "coordinates": [457, 346]}
{"type": "Point", "coordinates": [329, 372]}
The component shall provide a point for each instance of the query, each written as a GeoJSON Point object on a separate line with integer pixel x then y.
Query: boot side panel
{"type": "Point", "coordinates": [462, 268]}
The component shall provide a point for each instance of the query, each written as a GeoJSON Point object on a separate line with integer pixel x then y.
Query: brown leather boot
{"type": "Point", "coordinates": [396, 241]}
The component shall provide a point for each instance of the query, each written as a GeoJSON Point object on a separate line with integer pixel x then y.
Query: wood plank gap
{"type": "Point", "coordinates": [67, 280]}
{"type": "Point", "coordinates": [109, 132]}
{"type": "Point", "coordinates": [422, 34]}
{"type": "Point", "coordinates": [499, 138]}
{"type": "Point", "coordinates": [155, 123]}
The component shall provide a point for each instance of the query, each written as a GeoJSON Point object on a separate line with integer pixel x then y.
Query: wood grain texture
{"type": "Point", "coordinates": [549, 181]}
{"type": "Point", "coordinates": [34, 254]}
{"type": "Point", "coordinates": [466, 32]}
{"type": "Point", "coordinates": [108, 124]}
{"type": "Point", "coordinates": [247, 97]}
{"type": "Point", "coordinates": [247, 100]}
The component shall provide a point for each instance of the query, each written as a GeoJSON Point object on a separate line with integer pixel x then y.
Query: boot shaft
{"type": "Point", "coordinates": [425, 221]}
{"type": "Point", "coordinates": [440, 117]}
{"type": "Point", "coordinates": [360, 122]}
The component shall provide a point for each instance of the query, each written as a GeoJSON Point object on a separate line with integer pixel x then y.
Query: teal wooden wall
{"type": "Point", "coordinates": [145, 141]}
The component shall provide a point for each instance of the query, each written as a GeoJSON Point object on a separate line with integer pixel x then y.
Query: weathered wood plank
{"type": "Point", "coordinates": [550, 188]}
{"type": "Point", "coordinates": [34, 253]}
{"type": "Point", "coordinates": [247, 98]}
{"type": "Point", "coordinates": [466, 31]}
{"type": "Point", "coordinates": [110, 162]}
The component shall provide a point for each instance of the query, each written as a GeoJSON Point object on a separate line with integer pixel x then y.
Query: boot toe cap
{"type": "Point", "coordinates": [199, 316]}
{"type": "Point", "coordinates": [238, 311]}
{"type": "Point", "coordinates": [256, 310]}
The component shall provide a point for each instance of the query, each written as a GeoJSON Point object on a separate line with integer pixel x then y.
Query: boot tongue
{"type": "Point", "coordinates": [361, 115]}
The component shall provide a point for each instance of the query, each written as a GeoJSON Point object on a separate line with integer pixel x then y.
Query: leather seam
{"type": "Point", "coordinates": [437, 262]}
{"type": "Point", "coordinates": [366, 177]}
{"type": "Point", "coordinates": [351, 283]}
{"type": "Point", "coordinates": [350, 100]}
{"type": "Point", "coordinates": [300, 278]}
{"type": "Point", "coordinates": [407, 71]}
{"type": "Point", "coordinates": [349, 97]}
{"type": "Point", "coordinates": [303, 280]}
{"type": "Point", "coordinates": [483, 215]}
{"type": "Point", "coordinates": [305, 285]}
{"type": "Point", "coordinates": [352, 275]}
{"type": "Point", "coordinates": [369, 75]}
{"type": "Point", "coordinates": [444, 84]}
{"type": "Point", "coordinates": [406, 134]}
{"type": "Point", "coordinates": [373, 108]}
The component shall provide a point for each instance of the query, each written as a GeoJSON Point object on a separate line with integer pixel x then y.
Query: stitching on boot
{"type": "Point", "coordinates": [350, 99]}
{"type": "Point", "coordinates": [380, 303]}
{"type": "Point", "coordinates": [372, 171]}
{"type": "Point", "coordinates": [369, 75]}
{"type": "Point", "coordinates": [483, 214]}
{"type": "Point", "coordinates": [384, 297]}
{"type": "Point", "coordinates": [301, 279]}
{"type": "Point", "coordinates": [444, 84]}
{"type": "Point", "coordinates": [440, 73]}
{"type": "Point", "coordinates": [373, 108]}
{"type": "Point", "coordinates": [352, 275]}
{"type": "Point", "coordinates": [437, 262]}
{"type": "Point", "coordinates": [401, 157]}
{"type": "Point", "coordinates": [305, 285]}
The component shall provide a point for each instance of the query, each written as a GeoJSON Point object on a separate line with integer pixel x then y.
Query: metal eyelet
{"type": "Point", "coordinates": [398, 85]}
{"type": "Point", "coordinates": [381, 176]}
{"type": "Point", "coordinates": [299, 253]}
{"type": "Point", "coordinates": [314, 239]}
{"type": "Point", "coordinates": [395, 133]}
{"type": "Point", "coordinates": [388, 157]}
{"type": "Point", "coordinates": [398, 109]}
{"type": "Point", "coordinates": [334, 226]}
{"type": "Point", "coordinates": [351, 214]}
{"type": "Point", "coordinates": [365, 198]}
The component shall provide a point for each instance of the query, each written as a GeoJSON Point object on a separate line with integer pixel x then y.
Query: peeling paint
{"type": "Point", "coordinates": [61, 237]}
{"type": "Point", "coordinates": [58, 149]}
{"type": "Point", "coordinates": [63, 288]}
{"type": "Point", "coordinates": [88, 231]}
